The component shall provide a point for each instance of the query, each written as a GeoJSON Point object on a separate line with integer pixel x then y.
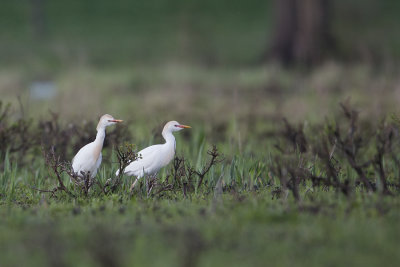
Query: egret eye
{"type": "Point", "coordinates": [176, 125]}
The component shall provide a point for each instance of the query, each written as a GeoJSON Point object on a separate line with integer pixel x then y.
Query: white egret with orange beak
{"type": "Point", "coordinates": [88, 158]}
{"type": "Point", "coordinates": [153, 158]}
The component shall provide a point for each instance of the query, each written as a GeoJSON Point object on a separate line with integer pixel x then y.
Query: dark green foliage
{"type": "Point", "coordinates": [330, 189]}
{"type": "Point", "coordinates": [346, 155]}
{"type": "Point", "coordinates": [101, 33]}
{"type": "Point", "coordinates": [15, 132]}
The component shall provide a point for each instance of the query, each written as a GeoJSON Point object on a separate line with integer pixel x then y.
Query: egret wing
{"type": "Point", "coordinates": [85, 161]}
{"type": "Point", "coordinates": [98, 163]}
{"type": "Point", "coordinates": [148, 157]}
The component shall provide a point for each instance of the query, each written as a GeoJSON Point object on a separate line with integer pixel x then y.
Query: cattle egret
{"type": "Point", "coordinates": [88, 158]}
{"type": "Point", "coordinates": [153, 158]}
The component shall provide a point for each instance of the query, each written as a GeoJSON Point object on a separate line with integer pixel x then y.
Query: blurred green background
{"type": "Point", "coordinates": [55, 34]}
{"type": "Point", "coordinates": [190, 60]}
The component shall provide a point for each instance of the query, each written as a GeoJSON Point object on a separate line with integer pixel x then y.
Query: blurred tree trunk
{"type": "Point", "coordinates": [302, 32]}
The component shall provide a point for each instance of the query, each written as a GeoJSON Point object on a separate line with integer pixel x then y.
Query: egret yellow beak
{"type": "Point", "coordinates": [115, 120]}
{"type": "Point", "coordinates": [184, 126]}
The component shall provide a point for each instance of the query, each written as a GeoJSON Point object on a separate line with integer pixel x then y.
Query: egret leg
{"type": "Point", "coordinates": [133, 185]}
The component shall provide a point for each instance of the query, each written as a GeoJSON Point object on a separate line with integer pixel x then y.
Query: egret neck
{"type": "Point", "coordinates": [169, 138]}
{"type": "Point", "coordinates": [101, 134]}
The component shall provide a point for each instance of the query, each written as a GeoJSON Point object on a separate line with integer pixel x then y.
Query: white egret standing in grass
{"type": "Point", "coordinates": [153, 158]}
{"type": "Point", "coordinates": [88, 158]}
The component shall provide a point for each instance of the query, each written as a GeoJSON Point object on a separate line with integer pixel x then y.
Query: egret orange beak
{"type": "Point", "coordinates": [183, 126]}
{"type": "Point", "coordinates": [115, 120]}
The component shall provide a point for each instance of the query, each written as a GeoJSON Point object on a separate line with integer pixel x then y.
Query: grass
{"type": "Point", "coordinates": [270, 202]}
{"type": "Point", "coordinates": [245, 214]}
{"type": "Point", "coordinates": [190, 93]}
{"type": "Point", "coordinates": [168, 232]}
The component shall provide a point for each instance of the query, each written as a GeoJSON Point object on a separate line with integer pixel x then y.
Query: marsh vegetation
{"type": "Point", "coordinates": [294, 154]}
{"type": "Point", "coordinates": [331, 186]}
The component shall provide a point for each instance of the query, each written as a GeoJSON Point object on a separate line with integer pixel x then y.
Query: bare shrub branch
{"type": "Point", "coordinates": [56, 167]}
{"type": "Point", "coordinates": [216, 158]}
{"type": "Point", "coordinates": [125, 155]}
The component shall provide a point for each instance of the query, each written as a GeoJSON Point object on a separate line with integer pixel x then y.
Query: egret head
{"type": "Point", "coordinates": [174, 126]}
{"type": "Point", "coordinates": [107, 120]}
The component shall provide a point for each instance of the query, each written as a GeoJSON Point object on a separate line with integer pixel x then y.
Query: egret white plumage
{"type": "Point", "coordinates": [88, 158]}
{"type": "Point", "coordinates": [153, 158]}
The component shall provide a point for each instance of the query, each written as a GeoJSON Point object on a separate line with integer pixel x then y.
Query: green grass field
{"type": "Point", "coordinates": [246, 213]}
{"type": "Point", "coordinates": [251, 230]}
{"type": "Point", "coordinates": [321, 189]}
